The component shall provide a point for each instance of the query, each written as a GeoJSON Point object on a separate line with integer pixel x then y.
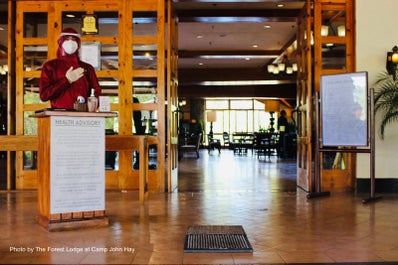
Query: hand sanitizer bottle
{"type": "Point", "coordinates": [92, 102]}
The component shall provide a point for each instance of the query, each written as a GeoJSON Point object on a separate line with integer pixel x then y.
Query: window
{"type": "Point", "coordinates": [237, 115]}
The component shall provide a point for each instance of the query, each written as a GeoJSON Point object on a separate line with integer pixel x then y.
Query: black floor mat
{"type": "Point", "coordinates": [210, 238]}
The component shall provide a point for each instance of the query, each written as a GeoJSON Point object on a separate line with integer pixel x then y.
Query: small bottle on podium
{"type": "Point", "coordinates": [92, 102]}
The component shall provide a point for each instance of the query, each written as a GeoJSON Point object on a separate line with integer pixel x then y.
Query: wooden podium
{"type": "Point", "coordinates": [71, 169]}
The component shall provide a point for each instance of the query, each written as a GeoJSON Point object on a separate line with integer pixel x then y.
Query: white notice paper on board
{"type": "Point", "coordinates": [77, 167]}
{"type": "Point", "coordinates": [344, 108]}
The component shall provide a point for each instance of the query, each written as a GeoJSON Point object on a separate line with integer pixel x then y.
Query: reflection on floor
{"type": "Point", "coordinates": [282, 225]}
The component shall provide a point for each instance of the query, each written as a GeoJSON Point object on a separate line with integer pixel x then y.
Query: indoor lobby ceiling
{"type": "Point", "coordinates": [225, 41]}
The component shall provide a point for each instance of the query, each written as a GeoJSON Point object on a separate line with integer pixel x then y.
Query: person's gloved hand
{"type": "Point", "coordinates": [74, 74]}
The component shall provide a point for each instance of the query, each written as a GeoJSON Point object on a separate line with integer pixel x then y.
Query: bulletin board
{"type": "Point", "coordinates": [344, 110]}
{"type": "Point", "coordinates": [90, 52]}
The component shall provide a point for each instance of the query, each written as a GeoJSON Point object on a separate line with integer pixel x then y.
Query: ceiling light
{"type": "Point", "coordinates": [246, 82]}
{"type": "Point", "coordinates": [3, 69]}
{"type": "Point", "coordinates": [289, 70]}
{"type": "Point", "coordinates": [282, 66]}
{"type": "Point", "coordinates": [312, 41]}
{"type": "Point", "coordinates": [255, 46]}
{"type": "Point", "coordinates": [230, 19]}
{"type": "Point", "coordinates": [280, 5]}
{"type": "Point", "coordinates": [70, 15]}
{"type": "Point", "coordinates": [341, 31]}
{"type": "Point", "coordinates": [199, 37]}
{"type": "Point", "coordinates": [267, 26]}
{"type": "Point", "coordinates": [324, 30]}
{"type": "Point", "coordinates": [237, 56]}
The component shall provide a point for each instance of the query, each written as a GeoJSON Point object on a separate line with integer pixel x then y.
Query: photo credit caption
{"type": "Point", "coordinates": [14, 249]}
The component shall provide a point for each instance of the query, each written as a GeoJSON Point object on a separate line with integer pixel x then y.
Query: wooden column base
{"type": "Point", "coordinates": [71, 224]}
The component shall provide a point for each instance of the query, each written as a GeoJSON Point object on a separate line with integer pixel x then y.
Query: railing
{"type": "Point", "coordinates": [15, 143]}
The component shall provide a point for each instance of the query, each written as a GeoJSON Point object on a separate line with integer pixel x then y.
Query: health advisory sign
{"type": "Point", "coordinates": [344, 109]}
{"type": "Point", "coordinates": [77, 164]}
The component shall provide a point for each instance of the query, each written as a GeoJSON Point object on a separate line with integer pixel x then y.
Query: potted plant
{"type": "Point", "coordinates": [386, 99]}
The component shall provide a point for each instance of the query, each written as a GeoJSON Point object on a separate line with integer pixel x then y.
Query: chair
{"type": "Point", "coordinates": [225, 137]}
{"type": "Point", "coordinates": [192, 145]}
{"type": "Point", "coordinates": [257, 138]}
{"type": "Point", "coordinates": [268, 145]}
{"type": "Point", "coordinates": [241, 142]}
{"type": "Point", "coordinates": [213, 143]}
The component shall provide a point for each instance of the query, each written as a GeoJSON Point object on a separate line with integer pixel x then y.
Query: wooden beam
{"type": "Point", "coordinates": [18, 143]}
{"type": "Point", "coordinates": [195, 75]}
{"type": "Point", "coordinates": [268, 15]}
{"type": "Point", "coordinates": [200, 53]}
{"type": "Point", "coordinates": [275, 91]}
{"type": "Point", "coordinates": [112, 142]}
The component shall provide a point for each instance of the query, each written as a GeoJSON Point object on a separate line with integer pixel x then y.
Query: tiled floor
{"type": "Point", "coordinates": [282, 225]}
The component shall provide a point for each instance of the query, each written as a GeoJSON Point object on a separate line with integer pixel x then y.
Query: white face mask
{"type": "Point", "coordinates": [69, 46]}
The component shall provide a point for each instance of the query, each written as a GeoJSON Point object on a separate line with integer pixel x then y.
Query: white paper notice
{"type": "Point", "coordinates": [344, 109]}
{"type": "Point", "coordinates": [77, 165]}
{"type": "Point", "coordinates": [104, 104]}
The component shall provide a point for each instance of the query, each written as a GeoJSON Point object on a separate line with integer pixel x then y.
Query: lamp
{"type": "Point", "coordinates": [182, 102]}
{"type": "Point", "coordinates": [392, 61]}
{"type": "Point", "coordinates": [283, 66]}
{"type": "Point", "coordinates": [341, 31]}
{"type": "Point", "coordinates": [324, 30]}
{"type": "Point", "coordinates": [272, 106]}
{"type": "Point", "coordinates": [211, 117]}
{"type": "Point", "coordinates": [3, 69]}
{"type": "Point", "coordinates": [270, 68]}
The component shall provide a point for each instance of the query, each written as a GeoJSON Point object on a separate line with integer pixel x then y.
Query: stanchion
{"type": "Point", "coordinates": [317, 172]}
{"type": "Point", "coordinates": [372, 197]}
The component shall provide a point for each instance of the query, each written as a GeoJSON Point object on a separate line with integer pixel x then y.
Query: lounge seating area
{"type": "Point", "coordinates": [262, 144]}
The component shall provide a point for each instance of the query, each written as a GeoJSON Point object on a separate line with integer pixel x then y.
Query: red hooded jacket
{"type": "Point", "coordinates": [54, 86]}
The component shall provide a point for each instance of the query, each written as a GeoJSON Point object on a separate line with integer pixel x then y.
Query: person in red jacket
{"type": "Point", "coordinates": [67, 79]}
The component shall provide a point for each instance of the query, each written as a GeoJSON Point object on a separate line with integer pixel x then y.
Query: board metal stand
{"type": "Point", "coordinates": [317, 172]}
{"type": "Point", "coordinates": [371, 150]}
{"type": "Point", "coordinates": [373, 196]}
